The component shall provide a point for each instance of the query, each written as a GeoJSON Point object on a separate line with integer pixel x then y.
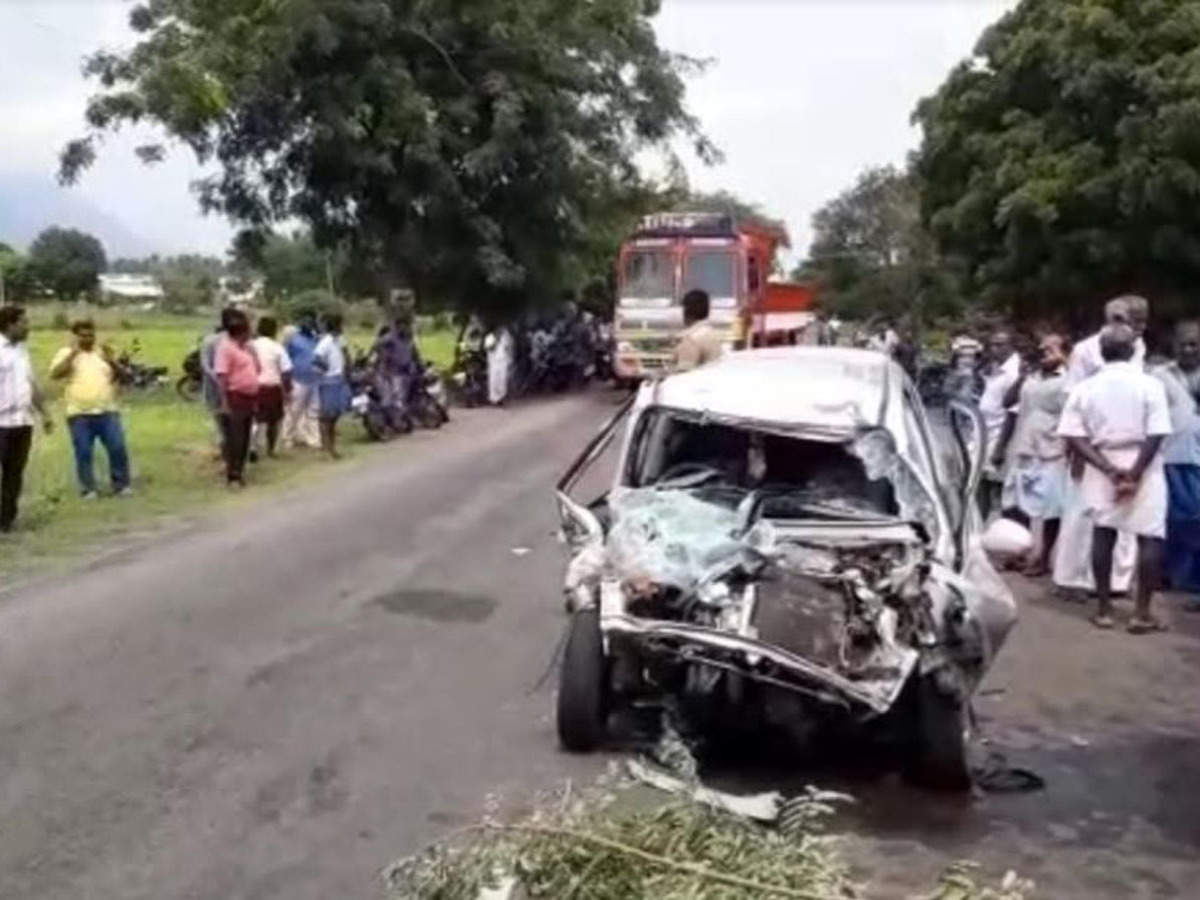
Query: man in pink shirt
{"type": "Point", "coordinates": [236, 367]}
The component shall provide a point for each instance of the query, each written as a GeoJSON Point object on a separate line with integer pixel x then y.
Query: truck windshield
{"type": "Point", "coordinates": [648, 275]}
{"type": "Point", "coordinates": [711, 271]}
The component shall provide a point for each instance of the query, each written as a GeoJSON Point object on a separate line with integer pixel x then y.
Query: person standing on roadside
{"type": "Point", "coordinates": [1116, 421]}
{"type": "Point", "coordinates": [397, 363]}
{"type": "Point", "coordinates": [329, 358]}
{"type": "Point", "coordinates": [20, 397]}
{"type": "Point", "coordinates": [274, 384]}
{"type": "Point", "coordinates": [300, 421]}
{"type": "Point", "coordinates": [1181, 461]}
{"type": "Point", "coordinates": [1000, 372]}
{"type": "Point", "coordinates": [699, 344]}
{"type": "Point", "coordinates": [237, 369]}
{"type": "Point", "coordinates": [214, 399]}
{"type": "Point", "coordinates": [1073, 555]}
{"type": "Point", "coordinates": [90, 392]}
{"type": "Point", "coordinates": [1037, 468]}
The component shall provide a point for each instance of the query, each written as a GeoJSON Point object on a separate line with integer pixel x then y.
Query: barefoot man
{"type": "Point", "coordinates": [1116, 422]}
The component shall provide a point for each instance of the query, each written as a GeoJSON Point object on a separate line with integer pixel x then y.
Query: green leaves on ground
{"type": "Point", "coordinates": [1062, 163]}
{"type": "Point", "coordinates": [467, 149]}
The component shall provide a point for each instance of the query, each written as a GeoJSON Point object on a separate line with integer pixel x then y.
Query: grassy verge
{"type": "Point", "coordinates": [171, 445]}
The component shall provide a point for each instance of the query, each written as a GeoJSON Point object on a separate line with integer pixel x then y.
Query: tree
{"type": "Point", "coordinates": [871, 254]}
{"type": "Point", "coordinates": [16, 276]}
{"type": "Point", "coordinates": [1061, 165]}
{"type": "Point", "coordinates": [67, 261]}
{"type": "Point", "coordinates": [464, 149]}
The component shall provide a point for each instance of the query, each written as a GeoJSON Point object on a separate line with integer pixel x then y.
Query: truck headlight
{"type": "Point", "coordinates": [625, 347]}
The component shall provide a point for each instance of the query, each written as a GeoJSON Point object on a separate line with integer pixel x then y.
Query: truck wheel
{"type": "Point", "coordinates": [583, 685]}
{"type": "Point", "coordinates": [941, 725]}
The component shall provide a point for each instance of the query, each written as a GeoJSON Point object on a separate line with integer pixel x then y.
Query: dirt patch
{"type": "Point", "coordinates": [438, 605]}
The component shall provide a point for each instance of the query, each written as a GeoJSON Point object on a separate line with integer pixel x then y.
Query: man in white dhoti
{"type": "Point", "coordinates": [1036, 456]}
{"type": "Point", "coordinates": [1116, 422]}
{"type": "Point", "coordinates": [1001, 372]}
{"type": "Point", "coordinates": [1073, 553]}
{"type": "Point", "coordinates": [499, 363]}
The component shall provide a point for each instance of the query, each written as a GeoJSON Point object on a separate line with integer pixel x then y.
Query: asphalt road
{"type": "Point", "coordinates": [281, 699]}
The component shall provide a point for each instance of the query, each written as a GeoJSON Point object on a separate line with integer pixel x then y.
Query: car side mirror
{"type": "Point", "coordinates": [578, 525]}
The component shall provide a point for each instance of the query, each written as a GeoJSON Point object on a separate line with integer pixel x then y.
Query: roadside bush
{"type": "Point", "coordinates": [319, 301]}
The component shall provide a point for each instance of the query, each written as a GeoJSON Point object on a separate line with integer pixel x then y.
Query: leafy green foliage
{"type": "Point", "coordinates": [17, 275]}
{"type": "Point", "coordinates": [590, 848]}
{"type": "Point", "coordinates": [466, 150]}
{"type": "Point", "coordinates": [871, 254]}
{"type": "Point", "coordinates": [1061, 165]}
{"type": "Point", "coordinates": [67, 262]}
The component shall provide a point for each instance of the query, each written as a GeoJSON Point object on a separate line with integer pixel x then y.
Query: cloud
{"type": "Point", "coordinates": [802, 95]}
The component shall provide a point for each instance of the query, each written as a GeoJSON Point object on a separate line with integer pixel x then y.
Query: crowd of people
{"type": "Point", "coordinates": [264, 389]}
{"type": "Point", "coordinates": [1098, 450]}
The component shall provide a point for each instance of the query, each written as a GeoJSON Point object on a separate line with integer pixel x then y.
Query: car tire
{"type": "Point", "coordinates": [941, 722]}
{"type": "Point", "coordinates": [583, 685]}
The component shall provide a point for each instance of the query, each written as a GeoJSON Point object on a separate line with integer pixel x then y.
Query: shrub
{"type": "Point", "coordinates": [60, 322]}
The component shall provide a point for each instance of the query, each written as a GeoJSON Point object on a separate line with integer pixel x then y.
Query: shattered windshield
{"type": "Point", "coordinates": [721, 464]}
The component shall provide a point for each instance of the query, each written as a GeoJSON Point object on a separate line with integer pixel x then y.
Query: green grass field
{"type": "Point", "coordinates": [171, 444]}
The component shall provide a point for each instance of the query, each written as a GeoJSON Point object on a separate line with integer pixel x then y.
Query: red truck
{"type": "Point", "coordinates": [672, 253]}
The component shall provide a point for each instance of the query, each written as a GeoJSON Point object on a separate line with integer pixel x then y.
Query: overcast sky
{"type": "Point", "coordinates": [801, 96]}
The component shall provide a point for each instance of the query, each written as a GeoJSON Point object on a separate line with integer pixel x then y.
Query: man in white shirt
{"type": "Point", "coordinates": [1086, 360]}
{"type": "Point", "coordinates": [274, 384]}
{"type": "Point", "coordinates": [1036, 455]}
{"type": "Point", "coordinates": [1000, 373]}
{"type": "Point", "coordinates": [19, 398]}
{"type": "Point", "coordinates": [1116, 422]}
{"type": "Point", "coordinates": [1073, 556]}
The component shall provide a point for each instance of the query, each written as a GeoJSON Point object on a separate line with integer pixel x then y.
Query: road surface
{"type": "Point", "coordinates": [284, 697]}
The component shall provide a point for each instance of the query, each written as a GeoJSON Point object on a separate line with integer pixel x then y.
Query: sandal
{"type": "Point", "coordinates": [1104, 623]}
{"type": "Point", "coordinates": [1145, 626]}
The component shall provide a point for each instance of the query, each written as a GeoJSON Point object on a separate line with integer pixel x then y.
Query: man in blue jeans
{"type": "Point", "coordinates": [90, 393]}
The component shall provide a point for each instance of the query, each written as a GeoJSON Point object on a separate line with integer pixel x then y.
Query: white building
{"type": "Point", "coordinates": [124, 287]}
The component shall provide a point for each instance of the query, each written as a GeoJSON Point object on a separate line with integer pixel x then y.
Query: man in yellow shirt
{"type": "Point", "coordinates": [700, 343]}
{"type": "Point", "coordinates": [90, 392]}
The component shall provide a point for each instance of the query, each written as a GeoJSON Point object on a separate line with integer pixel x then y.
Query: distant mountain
{"type": "Point", "coordinates": [29, 203]}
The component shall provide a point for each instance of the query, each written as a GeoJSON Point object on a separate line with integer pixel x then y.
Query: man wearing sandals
{"type": "Point", "coordinates": [1116, 421]}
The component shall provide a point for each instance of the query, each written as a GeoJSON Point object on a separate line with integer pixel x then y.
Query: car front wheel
{"type": "Point", "coordinates": [941, 724]}
{"type": "Point", "coordinates": [583, 685]}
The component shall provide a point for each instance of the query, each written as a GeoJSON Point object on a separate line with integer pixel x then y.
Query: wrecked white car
{"type": "Point", "coordinates": [784, 540]}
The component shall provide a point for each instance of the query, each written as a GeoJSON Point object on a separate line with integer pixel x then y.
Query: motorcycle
{"type": "Point", "coordinates": [470, 377]}
{"type": "Point", "coordinates": [427, 402]}
{"type": "Point", "coordinates": [189, 384]}
{"type": "Point", "coordinates": [367, 402]}
{"type": "Point", "coordinates": [133, 374]}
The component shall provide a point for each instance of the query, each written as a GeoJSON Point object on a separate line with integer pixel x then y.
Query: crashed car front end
{"type": "Point", "coordinates": [827, 601]}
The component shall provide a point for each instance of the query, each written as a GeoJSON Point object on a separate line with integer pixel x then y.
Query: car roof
{"type": "Point", "coordinates": [832, 389]}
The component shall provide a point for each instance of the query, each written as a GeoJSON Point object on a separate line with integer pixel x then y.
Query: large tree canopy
{"type": "Point", "coordinates": [1062, 163]}
{"type": "Point", "coordinates": [871, 254]}
{"type": "Point", "coordinates": [466, 147]}
{"type": "Point", "coordinates": [66, 261]}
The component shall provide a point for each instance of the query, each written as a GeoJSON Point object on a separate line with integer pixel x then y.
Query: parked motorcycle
{"type": "Point", "coordinates": [427, 402]}
{"type": "Point", "coordinates": [470, 377]}
{"type": "Point", "coordinates": [133, 374]}
{"type": "Point", "coordinates": [380, 422]}
{"type": "Point", "coordinates": [189, 384]}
